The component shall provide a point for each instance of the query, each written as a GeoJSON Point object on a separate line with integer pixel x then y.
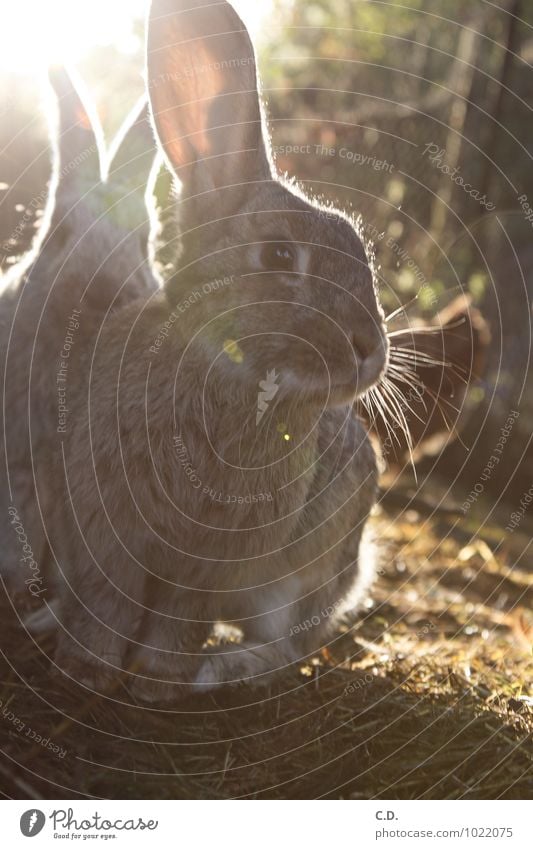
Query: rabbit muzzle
{"type": "Point", "coordinates": [371, 353]}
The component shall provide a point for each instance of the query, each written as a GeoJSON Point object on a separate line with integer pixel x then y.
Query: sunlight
{"type": "Point", "coordinates": [36, 33]}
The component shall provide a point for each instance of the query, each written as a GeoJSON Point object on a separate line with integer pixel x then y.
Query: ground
{"type": "Point", "coordinates": [428, 695]}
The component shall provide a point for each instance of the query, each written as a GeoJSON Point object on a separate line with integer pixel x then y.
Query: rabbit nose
{"type": "Point", "coordinates": [367, 345]}
{"type": "Point", "coordinates": [371, 350]}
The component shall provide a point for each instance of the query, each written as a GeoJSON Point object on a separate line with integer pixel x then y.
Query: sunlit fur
{"type": "Point", "coordinates": [151, 560]}
{"type": "Point", "coordinates": [89, 254]}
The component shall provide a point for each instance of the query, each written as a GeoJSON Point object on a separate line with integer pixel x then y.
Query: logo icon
{"type": "Point", "coordinates": [32, 822]}
{"type": "Point", "coordinates": [270, 390]}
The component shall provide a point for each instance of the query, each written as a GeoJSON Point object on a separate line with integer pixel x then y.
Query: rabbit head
{"type": "Point", "coordinates": [99, 229]}
{"type": "Point", "coordinates": [278, 283]}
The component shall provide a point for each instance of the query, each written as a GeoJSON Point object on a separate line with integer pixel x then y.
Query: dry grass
{"type": "Point", "coordinates": [425, 697]}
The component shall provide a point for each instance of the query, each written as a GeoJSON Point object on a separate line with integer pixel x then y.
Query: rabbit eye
{"type": "Point", "coordinates": [278, 256]}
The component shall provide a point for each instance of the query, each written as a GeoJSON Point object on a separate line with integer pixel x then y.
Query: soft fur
{"type": "Point", "coordinates": [176, 510]}
{"type": "Point", "coordinates": [90, 256]}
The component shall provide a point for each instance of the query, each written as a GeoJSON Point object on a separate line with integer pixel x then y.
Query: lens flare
{"type": "Point", "coordinates": [36, 34]}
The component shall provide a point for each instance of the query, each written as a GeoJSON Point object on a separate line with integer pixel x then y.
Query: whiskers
{"type": "Point", "coordinates": [401, 310]}
{"type": "Point", "coordinates": [405, 392]}
{"type": "Point", "coordinates": [389, 403]}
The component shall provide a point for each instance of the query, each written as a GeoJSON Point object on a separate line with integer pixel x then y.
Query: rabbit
{"type": "Point", "coordinates": [214, 470]}
{"type": "Point", "coordinates": [68, 279]}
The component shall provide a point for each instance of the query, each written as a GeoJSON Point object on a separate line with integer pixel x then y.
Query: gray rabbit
{"type": "Point", "coordinates": [174, 507]}
{"type": "Point", "coordinates": [90, 256]}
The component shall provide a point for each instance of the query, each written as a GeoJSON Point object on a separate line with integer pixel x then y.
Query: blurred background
{"type": "Point", "coordinates": [414, 115]}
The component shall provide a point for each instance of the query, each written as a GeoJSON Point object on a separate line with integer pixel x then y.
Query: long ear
{"type": "Point", "coordinates": [204, 97]}
{"type": "Point", "coordinates": [441, 362]}
{"type": "Point", "coordinates": [80, 136]}
{"type": "Point", "coordinates": [133, 152]}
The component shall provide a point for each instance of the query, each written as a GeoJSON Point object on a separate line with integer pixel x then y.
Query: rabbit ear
{"type": "Point", "coordinates": [133, 152]}
{"type": "Point", "coordinates": [203, 92]}
{"type": "Point", "coordinates": [80, 136]}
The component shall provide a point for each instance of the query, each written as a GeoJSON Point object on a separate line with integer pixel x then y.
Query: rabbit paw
{"type": "Point", "coordinates": [153, 691]}
{"type": "Point", "coordinates": [250, 664]}
{"type": "Point", "coordinates": [158, 677]}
